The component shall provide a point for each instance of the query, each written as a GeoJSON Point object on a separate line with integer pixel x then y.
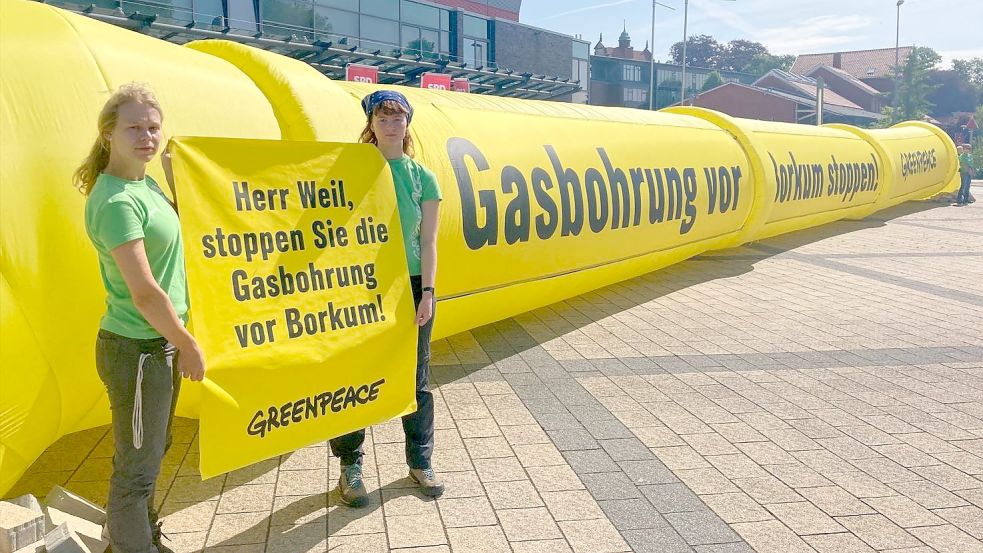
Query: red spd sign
{"type": "Point", "coordinates": [436, 81]}
{"type": "Point", "coordinates": [462, 85]}
{"type": "Point", "coordinates": [361, 73]}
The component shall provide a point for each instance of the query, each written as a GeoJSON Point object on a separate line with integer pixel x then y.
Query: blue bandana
{"type": "Point", "coordinates": [370, 102]}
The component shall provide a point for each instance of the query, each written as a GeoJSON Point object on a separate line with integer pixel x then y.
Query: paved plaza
{"type": "Point", "coordinates": [819, 391]}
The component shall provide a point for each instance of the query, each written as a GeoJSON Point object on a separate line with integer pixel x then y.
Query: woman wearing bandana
{"type": "Point", "coordinates": [418, 196]}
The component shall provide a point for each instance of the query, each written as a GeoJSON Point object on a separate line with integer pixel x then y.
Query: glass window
{"type": "Point", "coordinates": [475, 26]}
{"type": "Point", "coordinates": [429, 43]}
{"type": "Point", "coordinates": [410, 39]}
{"type": "Point", "coordinates": [580, 72]}
{"type": "Point", "coordinates": [336, 22]}
{"type": "Point", "coordinates": [177, 10]}
{"type": "Point", "coordinates": [388, 9]}
{"type": "Point", "coordinates": [445, 42]}
{"type": "Point", "coordinates": [210, 12]}
{"type": "Point", "coordinates": [350, 5]}
{"type": "Point", "coordinates": [288, 13]}
{"type": "Point", "coordinates": [580, 50]}
{"type": "Point", "coordinates": [475, 52]}
{"type": "Point", "coordinates": [632, 72]}
{"type": "Point", "coordinates": [445, 20]}
{"type": "Point", "coordinates": [379, 30]}
{"type": "Point", "coordinates": [635, 95]}
{"type": "Point", "coordinates": [418, 14]}
{"type": "Point", "coordinates": [242, 15]}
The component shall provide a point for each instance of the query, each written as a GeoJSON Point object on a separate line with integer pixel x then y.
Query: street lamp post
{"type": "Point", "coordinates": [682, 86]}
{"type": "Point", "coordinates": [897, 61]}
{"type": "Point", "coordinates": [652, 55]}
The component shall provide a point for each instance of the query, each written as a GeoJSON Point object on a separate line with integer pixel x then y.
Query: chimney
{"type": "Point", "coordinates": [837, 60]}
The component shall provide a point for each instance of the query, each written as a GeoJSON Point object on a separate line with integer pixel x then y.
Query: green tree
{"type": "Point", "coordinates": [971, 70]}
{"type": "Point", "coordinates": [914, 87]}
{"type": "Point", "coordinates": [738, 54]}
{"type": "Point", "coordinates": [701, 51]}
{"type": "Point", "coordinates": [714, 80]}
{"type": "Point", "coordinates": [764, 63]}
{"type": "Point", "coordinates": [953, 92]}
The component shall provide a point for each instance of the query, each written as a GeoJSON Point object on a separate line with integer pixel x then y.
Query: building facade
{"type": "Point", "coordinates": [873, 67]}
{"type": "Point", "coordinates": [480, 40]}
{"type": "Point", "coordinates": [789, 98]}
{"type": "Point", "coordinates": [620, 76]}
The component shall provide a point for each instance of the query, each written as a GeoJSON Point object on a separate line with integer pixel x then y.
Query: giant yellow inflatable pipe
{"type": "Point", "coordinates": [543, 200]}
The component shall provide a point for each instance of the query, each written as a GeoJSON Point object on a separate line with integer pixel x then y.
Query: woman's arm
{"type": "Point", "coordinates": [428, 257]}
{"type": "Point", "coordinates": [152, 302]}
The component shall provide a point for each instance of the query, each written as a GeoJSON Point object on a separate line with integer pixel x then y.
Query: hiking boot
{"type": "Point", "coordinates": [158, 535]}
{"type": "Point", "coordinates": [350, 485]}
{"type": "Point", "coordinates": [427, 480]}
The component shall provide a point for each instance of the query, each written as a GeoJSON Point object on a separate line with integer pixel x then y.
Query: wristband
{"type": "Point", "coordinates": [428, 289]}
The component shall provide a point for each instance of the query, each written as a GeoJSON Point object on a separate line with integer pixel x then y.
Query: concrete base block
{"type": "Point", "coordinates": [76, 505]}
{"type": "Point", "coordinates": [63, 540]}
{"type": "Point", "coordinates": [89, 532]}
{"type": "Point", "coordinates": [19, 527]}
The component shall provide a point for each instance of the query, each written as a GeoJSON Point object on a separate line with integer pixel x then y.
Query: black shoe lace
{"type": "Point", "coordinates": [159, 533]}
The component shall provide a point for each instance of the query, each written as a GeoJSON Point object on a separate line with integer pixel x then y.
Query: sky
{"type": "Point", "coordinates": [784, 26]}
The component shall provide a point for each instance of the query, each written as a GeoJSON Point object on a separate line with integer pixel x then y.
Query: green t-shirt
{"type": "Point", "coordinates": [118, 211]}
{"type": "Point", "coordinates": [415, 184]}
{"type": "Point", "coordinates": [966, 162]}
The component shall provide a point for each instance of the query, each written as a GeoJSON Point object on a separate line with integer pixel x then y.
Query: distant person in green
{"type": "Point", "coordinates": [143, 348]}
{"type": "Point", "coordinates": [966, 171]}
{"type": "Point", "coordinates": [388, 115]}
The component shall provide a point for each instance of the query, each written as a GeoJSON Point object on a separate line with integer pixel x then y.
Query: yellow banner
{"type": "Point", "coordinates": [299, 290]}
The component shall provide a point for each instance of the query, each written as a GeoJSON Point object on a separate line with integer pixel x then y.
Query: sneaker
{"type": "Point", "coordinates": [158, 535]}
{"type": "Point", "coordinates": [351, 487]}
{"type": "Point", "coordinates": [427, 481]}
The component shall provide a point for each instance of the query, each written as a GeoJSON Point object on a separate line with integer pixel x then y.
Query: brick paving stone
{"type": "Point", "coordinates": [928, 494]}
{"type": "Point", "coordinates": [513, 495]}
{"type": "Point", "coordinates": [948, 538]}
{"type": "Point", "coordinates": [767, 489]}
{"type": "Point", "coordinates": [724, 548]}
{"type": "Point", "coordinates": [969, 519]}
{"type": "Point", "coordinates": [610, 485]}
{"type": "Point", "coordinates": [736, 507]}
{"type": "Point", "coordinates": [656, 540]}
{"type": "Point", "coordinates": [701, 527]}
{"type": "Point", "coordinates": [593, 536]}
{"type": "Point", "coordinates": [590, 460]}
{"type": "Point", "coordinates": [478, 539]}
{"type": "Point", "coordinates": [572, 505]}
{"type": "Point", "coordinates": [631, 514]}
{"type": "Point", "coordinates": [878, 532]}
{"type": "Point", "coordinates": [554, 478]}
{"type": "Point", "coordinates": [838, 543]}
{"type": "Point", "coordinates": [835, 501]}
{"type": "Point", "coordinates": [466, 511]}
{"type": "Point", "coordinates": [499, 470]}
{"type": "Point", "coordinates": [804, 518]}
{"type": "Point", "coordinates": [672, 498]}
{"type": "Point", "coordinates": [528, 524]}
{"type": "Point", "coordinates": [541, 546]}
{"type": "Point", "coordinates": [903, 511]}
{"type": "Point", "coordinates": [771, 537]}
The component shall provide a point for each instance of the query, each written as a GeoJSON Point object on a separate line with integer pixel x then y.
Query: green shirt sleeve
{"type": "Point", "coordinates": [117, 222]}
{"type": "Point", "coordinates": [431, 190]}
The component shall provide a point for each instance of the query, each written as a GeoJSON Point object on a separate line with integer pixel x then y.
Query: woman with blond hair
{"type": "Point", "coordinates": [388, 114]}
{"type": "Point", "coordinates": [134, 229]}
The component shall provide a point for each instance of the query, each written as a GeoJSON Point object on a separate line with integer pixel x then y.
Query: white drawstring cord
{"type": "Point", "coordinates": [138, 404]}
